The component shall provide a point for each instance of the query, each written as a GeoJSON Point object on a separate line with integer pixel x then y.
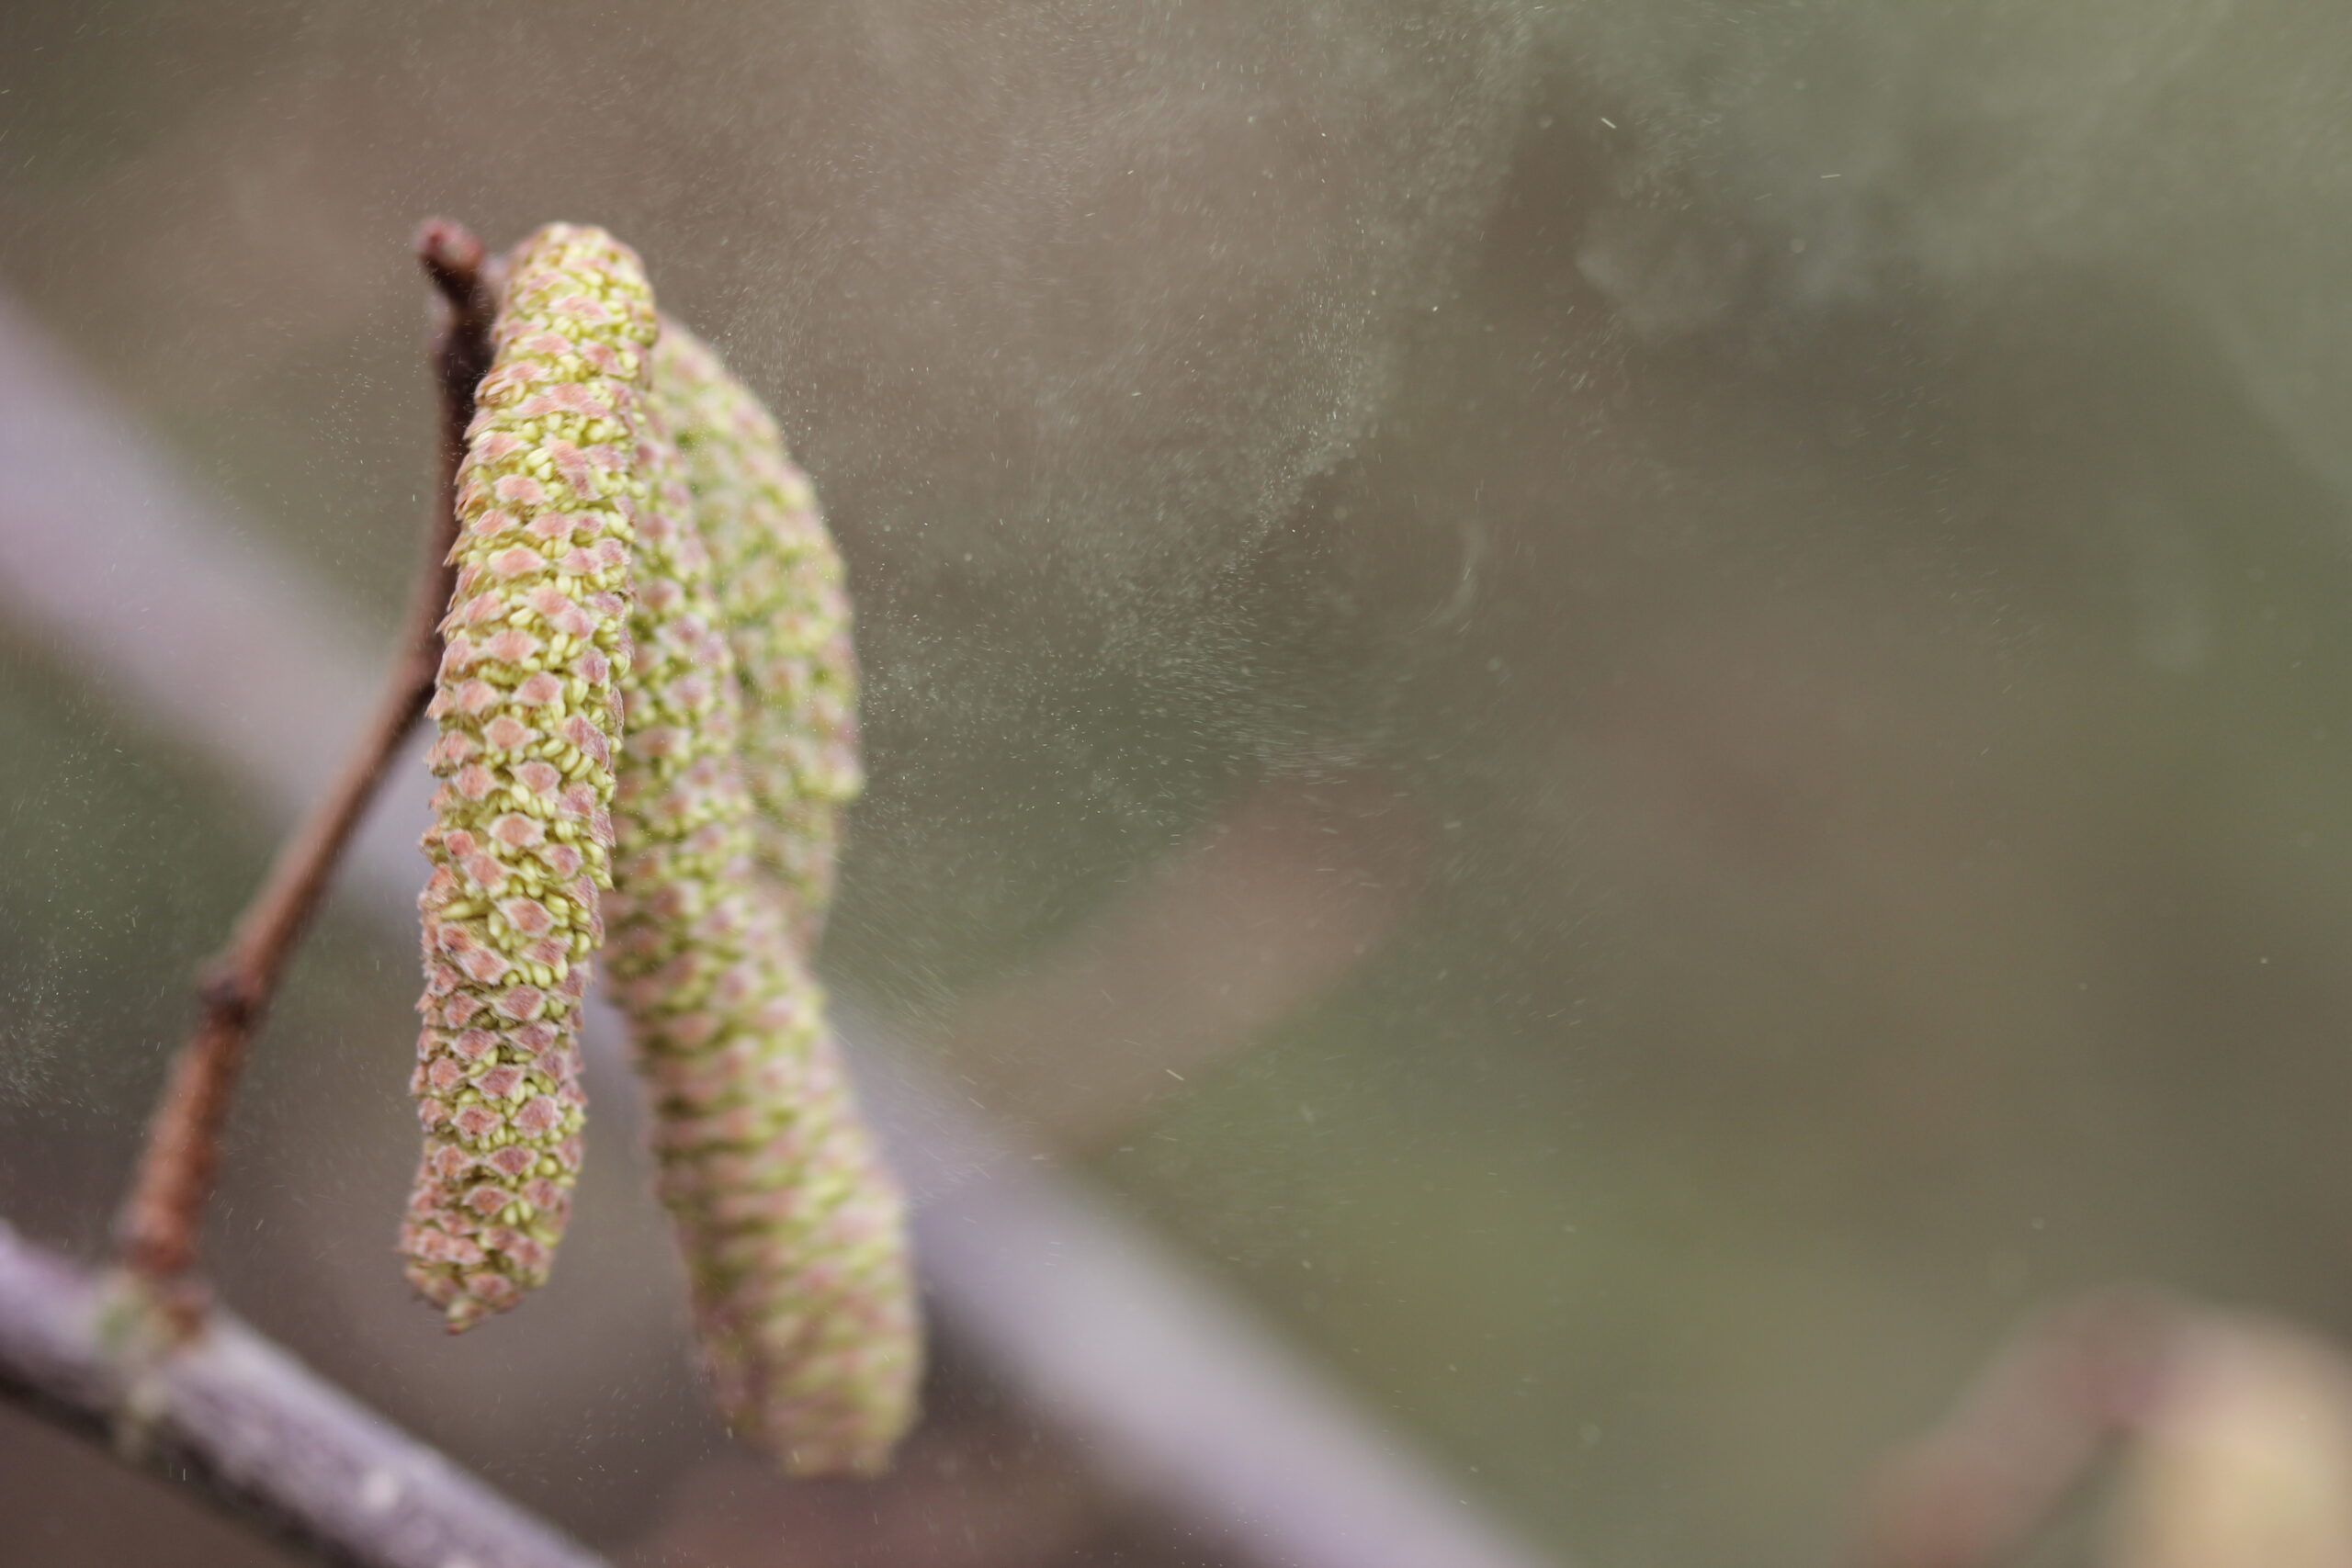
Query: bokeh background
{"type": "Point", "coordinates": [1635, 707]}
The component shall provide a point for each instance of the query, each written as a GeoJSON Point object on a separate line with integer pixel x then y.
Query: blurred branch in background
{"type": "Point", "coordinates": [2234, 1434]}
{"type": "Point", "coordinates": [1180, 1393]}
{"type": "Point", "coordinates": [2019, 1439]}
{"type": "Point", "coordinates": [1260, 912]}
{"type": "Point", "coordinates": [1181, 1398]}
{"type": "Point", "coordinates": [238, 1418]}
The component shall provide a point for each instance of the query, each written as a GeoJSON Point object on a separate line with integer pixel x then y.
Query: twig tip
{"type": "Point", "coordinates": [452, 256]}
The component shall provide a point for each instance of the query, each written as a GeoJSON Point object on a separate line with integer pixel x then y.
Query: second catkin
{"type": "Point", "coordinates": [792, 1229]}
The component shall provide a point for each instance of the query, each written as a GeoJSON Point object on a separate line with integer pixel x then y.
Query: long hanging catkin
{"type": "Point", "coordinates": [793, 1231]}
{"type": "Point", "coordinates": [529, 727]}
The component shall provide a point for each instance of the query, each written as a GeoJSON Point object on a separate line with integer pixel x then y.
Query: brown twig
{"type": "Point", "coordinates": [158, 1229]}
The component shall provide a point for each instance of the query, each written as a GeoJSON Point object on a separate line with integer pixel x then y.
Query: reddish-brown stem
{"type": "Point", "coordinates": [157, 1230]}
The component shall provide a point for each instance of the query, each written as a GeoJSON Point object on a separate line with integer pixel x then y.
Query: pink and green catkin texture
{"type": "Point", "coordinates": [529, 724]}
{"type": "Point", "coordinates": [788, 617]}
{"type": "Point", "coordinates": [792, 1229]}
{"type": "Point", "coordinates": [804, 1297]}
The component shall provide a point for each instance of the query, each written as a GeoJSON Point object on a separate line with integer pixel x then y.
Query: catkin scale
{"type": "Point", "coordinates": [528, 725]}
{"type": "Point", "coordinates": [792, 1229]}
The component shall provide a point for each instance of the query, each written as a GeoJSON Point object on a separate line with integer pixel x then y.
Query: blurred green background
{"type": "Point", "coordinates": [1795, 552]}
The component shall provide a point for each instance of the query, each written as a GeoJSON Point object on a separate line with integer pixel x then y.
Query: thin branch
{"type": "Point", "coordinates": [257, 1433]}
{"type": "Point", "coordinates": [161, 1219]}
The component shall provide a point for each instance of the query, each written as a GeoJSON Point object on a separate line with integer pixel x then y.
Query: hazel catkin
{"type": "Point", "coordinates": [792, 1229]}
{"type": "Point", "coordinates": [646, 719]}
{"type": "Point", "coordinates": [528, 725]}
